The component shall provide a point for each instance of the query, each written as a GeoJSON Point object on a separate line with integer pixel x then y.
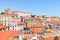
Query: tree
{"type": "Point", "coordinates": [33, 15]}
{"type": "Point", "coordinates": [2, 13]}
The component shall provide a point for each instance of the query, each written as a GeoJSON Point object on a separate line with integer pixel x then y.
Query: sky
{"type": "Point", "coordinates": [36, 7]}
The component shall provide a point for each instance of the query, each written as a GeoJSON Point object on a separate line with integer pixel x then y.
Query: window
{"type": "Point", "coordinates": [41, 38]}
{"type": "Point", "coordinates": [24, 39]}
{"type": "Point", "coordinates": [3, 18]}
{"type": "Point", "coordinates": [7, 23]}
{"type": "Point", "coordinates": [34, 39]}
{"type": "Point", "coordinates": [16, 38]}
{"type": "Point", "coordinates": [7, 18]}
{"type": "Point", "coordinates": [3, 23]}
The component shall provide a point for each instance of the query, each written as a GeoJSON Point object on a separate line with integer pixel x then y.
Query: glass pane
{"type": "Point", "coordinates": [16, 37]}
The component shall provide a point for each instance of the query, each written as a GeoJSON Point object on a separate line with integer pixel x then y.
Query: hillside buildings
{"type": "Point", "coordinates": [20, 25]}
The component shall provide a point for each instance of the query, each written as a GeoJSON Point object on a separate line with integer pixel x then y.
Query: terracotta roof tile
{"type": "Point", "coordinates": [37, 19]}
{"type": "Point", "coordinates": [50, 38]}
{"type": "Point", "coordinates": [6, 35]}
{"type": "Point", "coordinates": [37, 30]}
{"type": "Point", "coordinates": [18, 23]}
{"type": "Point", "coordinates": [8, 14]}
{"type": "Point", "coordinates": [38, 25]}
{"type": "Point", "coordinates": [28, 35]}
{"type": "Point", "coordinates": [58, 37]}
{"type": "Point", "coordinates": [1, 26]}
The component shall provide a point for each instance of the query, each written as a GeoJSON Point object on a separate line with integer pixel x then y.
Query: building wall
{"type": "Point", "coordinates": [5, 20]}
{"type": "Point", "coordinates": [23, 14]}
{"type": "Point", "coordinates": [16, 27]}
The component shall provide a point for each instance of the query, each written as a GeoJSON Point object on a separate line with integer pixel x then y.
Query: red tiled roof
{"type": "Point", "coordinates": [58, 37]}
{"type": "Point", "coordinates": [53, 21]}
{"type": "Point", "coordinates": [8, 35]}
{"type": "Point", "coordinates": [1, 26]}
{"type": "Point", "coordinates": [28, 35]}
{"type": "Point", "coordinates": [18, 23]}
{"type": "Point", "coordinates": [42, 18]}
{"type": "Point", "coordinates": [37, 19]}
{"type": "Point", "coordinates": [37, 30]}
{"type": "Point", "coordinates": [50, 38]}
{"type": "Point", "coordinates": [9, 15]}
{"type": "Point", "coordinates": [38, 25]}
